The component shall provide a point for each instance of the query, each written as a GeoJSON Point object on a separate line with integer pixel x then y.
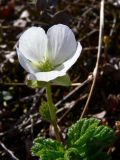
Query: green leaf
{"type": "Point", "coordinates": [44, 111]}
{"type": "Point", "coordinates": [62, 81]}
{"type": "Point", "coordinates": [90, 138]}
{"type": "Point", "coordinates": [87, 140]}
{"type": "Point", "coordinates": [48, 149]}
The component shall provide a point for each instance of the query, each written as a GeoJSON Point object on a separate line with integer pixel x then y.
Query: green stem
{"type": "Point", "coordinates": [52, 112]}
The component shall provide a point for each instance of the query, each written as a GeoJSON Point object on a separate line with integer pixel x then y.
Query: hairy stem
{"type": "Point", "coordinates": [52, 112]}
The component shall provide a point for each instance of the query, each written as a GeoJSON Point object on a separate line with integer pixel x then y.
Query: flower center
{"type": "Point", "coordinates": [44, 66]}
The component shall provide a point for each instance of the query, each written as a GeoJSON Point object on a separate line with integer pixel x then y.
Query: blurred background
{"type": "Point", "coordinates": [20, 121]}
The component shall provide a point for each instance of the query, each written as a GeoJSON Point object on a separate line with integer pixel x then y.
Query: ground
{"type": "Point", "coordinates": [20, 121]}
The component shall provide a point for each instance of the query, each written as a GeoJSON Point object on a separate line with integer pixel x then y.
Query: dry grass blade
{"type": "Point", "coordinates": [8, 151]}
{"type": "Point", "coordinates": [98, 58]}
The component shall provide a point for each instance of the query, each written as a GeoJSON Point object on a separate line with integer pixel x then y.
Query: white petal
{"type": "Point", "coordinates": [46, 76]}
{"type": "Point", "coordinates": [33, 44]}
{"type": "Point", "coordinates": [61, 43]}
{"type": "Point", "coordinates": [67, 65]}
{"type": "Point", "coordinates": [60, 71]}
{"type": "Point", "coordinates": [31, 77]}
{"type": "Point", "coordinates": [25, 63]}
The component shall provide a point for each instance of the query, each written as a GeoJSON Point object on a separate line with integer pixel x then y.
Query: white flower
{"type": "Point", "coordinates": [48, 56]}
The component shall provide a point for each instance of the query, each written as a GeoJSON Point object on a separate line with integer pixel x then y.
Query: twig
{"type": "Point", "coordinates": [98, 58]}
{"type": "Point", "coordinates": [88, 34]}
{"type": "Point", "coordinates": [76, 84]}
{"type": "Point", "coordinates": [8, 151]}
{"type": "Point", "coordinates": [113, 25]}
{"type": "Point", "coordinates": [12, 84]}
{"type": "Point", "coordinates": [72, 104]}
{"type": "Point", "coordinates": [35, 123]}
{"type": "Point", "coordinates": [83, 16]}
{"type": "Point", "coordinates": [19, 124]}
{"type": "Point", "coordinates": [73, 91]}
{"type": "Point", "coordinates": [91, 48]}
{"type": "Point", "coordinates": [23, 84]}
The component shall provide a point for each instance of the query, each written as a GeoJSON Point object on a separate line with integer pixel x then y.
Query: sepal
{"type": "Point", "coordinates": [62, 81]}
{"type": "Point", "coordinates": [35, 84]}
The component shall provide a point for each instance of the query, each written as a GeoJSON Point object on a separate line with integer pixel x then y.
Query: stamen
{"type": "Point", "coordinates": [44, 66]}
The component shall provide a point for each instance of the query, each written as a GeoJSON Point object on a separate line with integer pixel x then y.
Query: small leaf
{"type": "Point", "coordinates": [44, 111]}
{"type": "Point", "coordinates": [48, 149]}
{"type": "Point", "coordinates": [62, 81]}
